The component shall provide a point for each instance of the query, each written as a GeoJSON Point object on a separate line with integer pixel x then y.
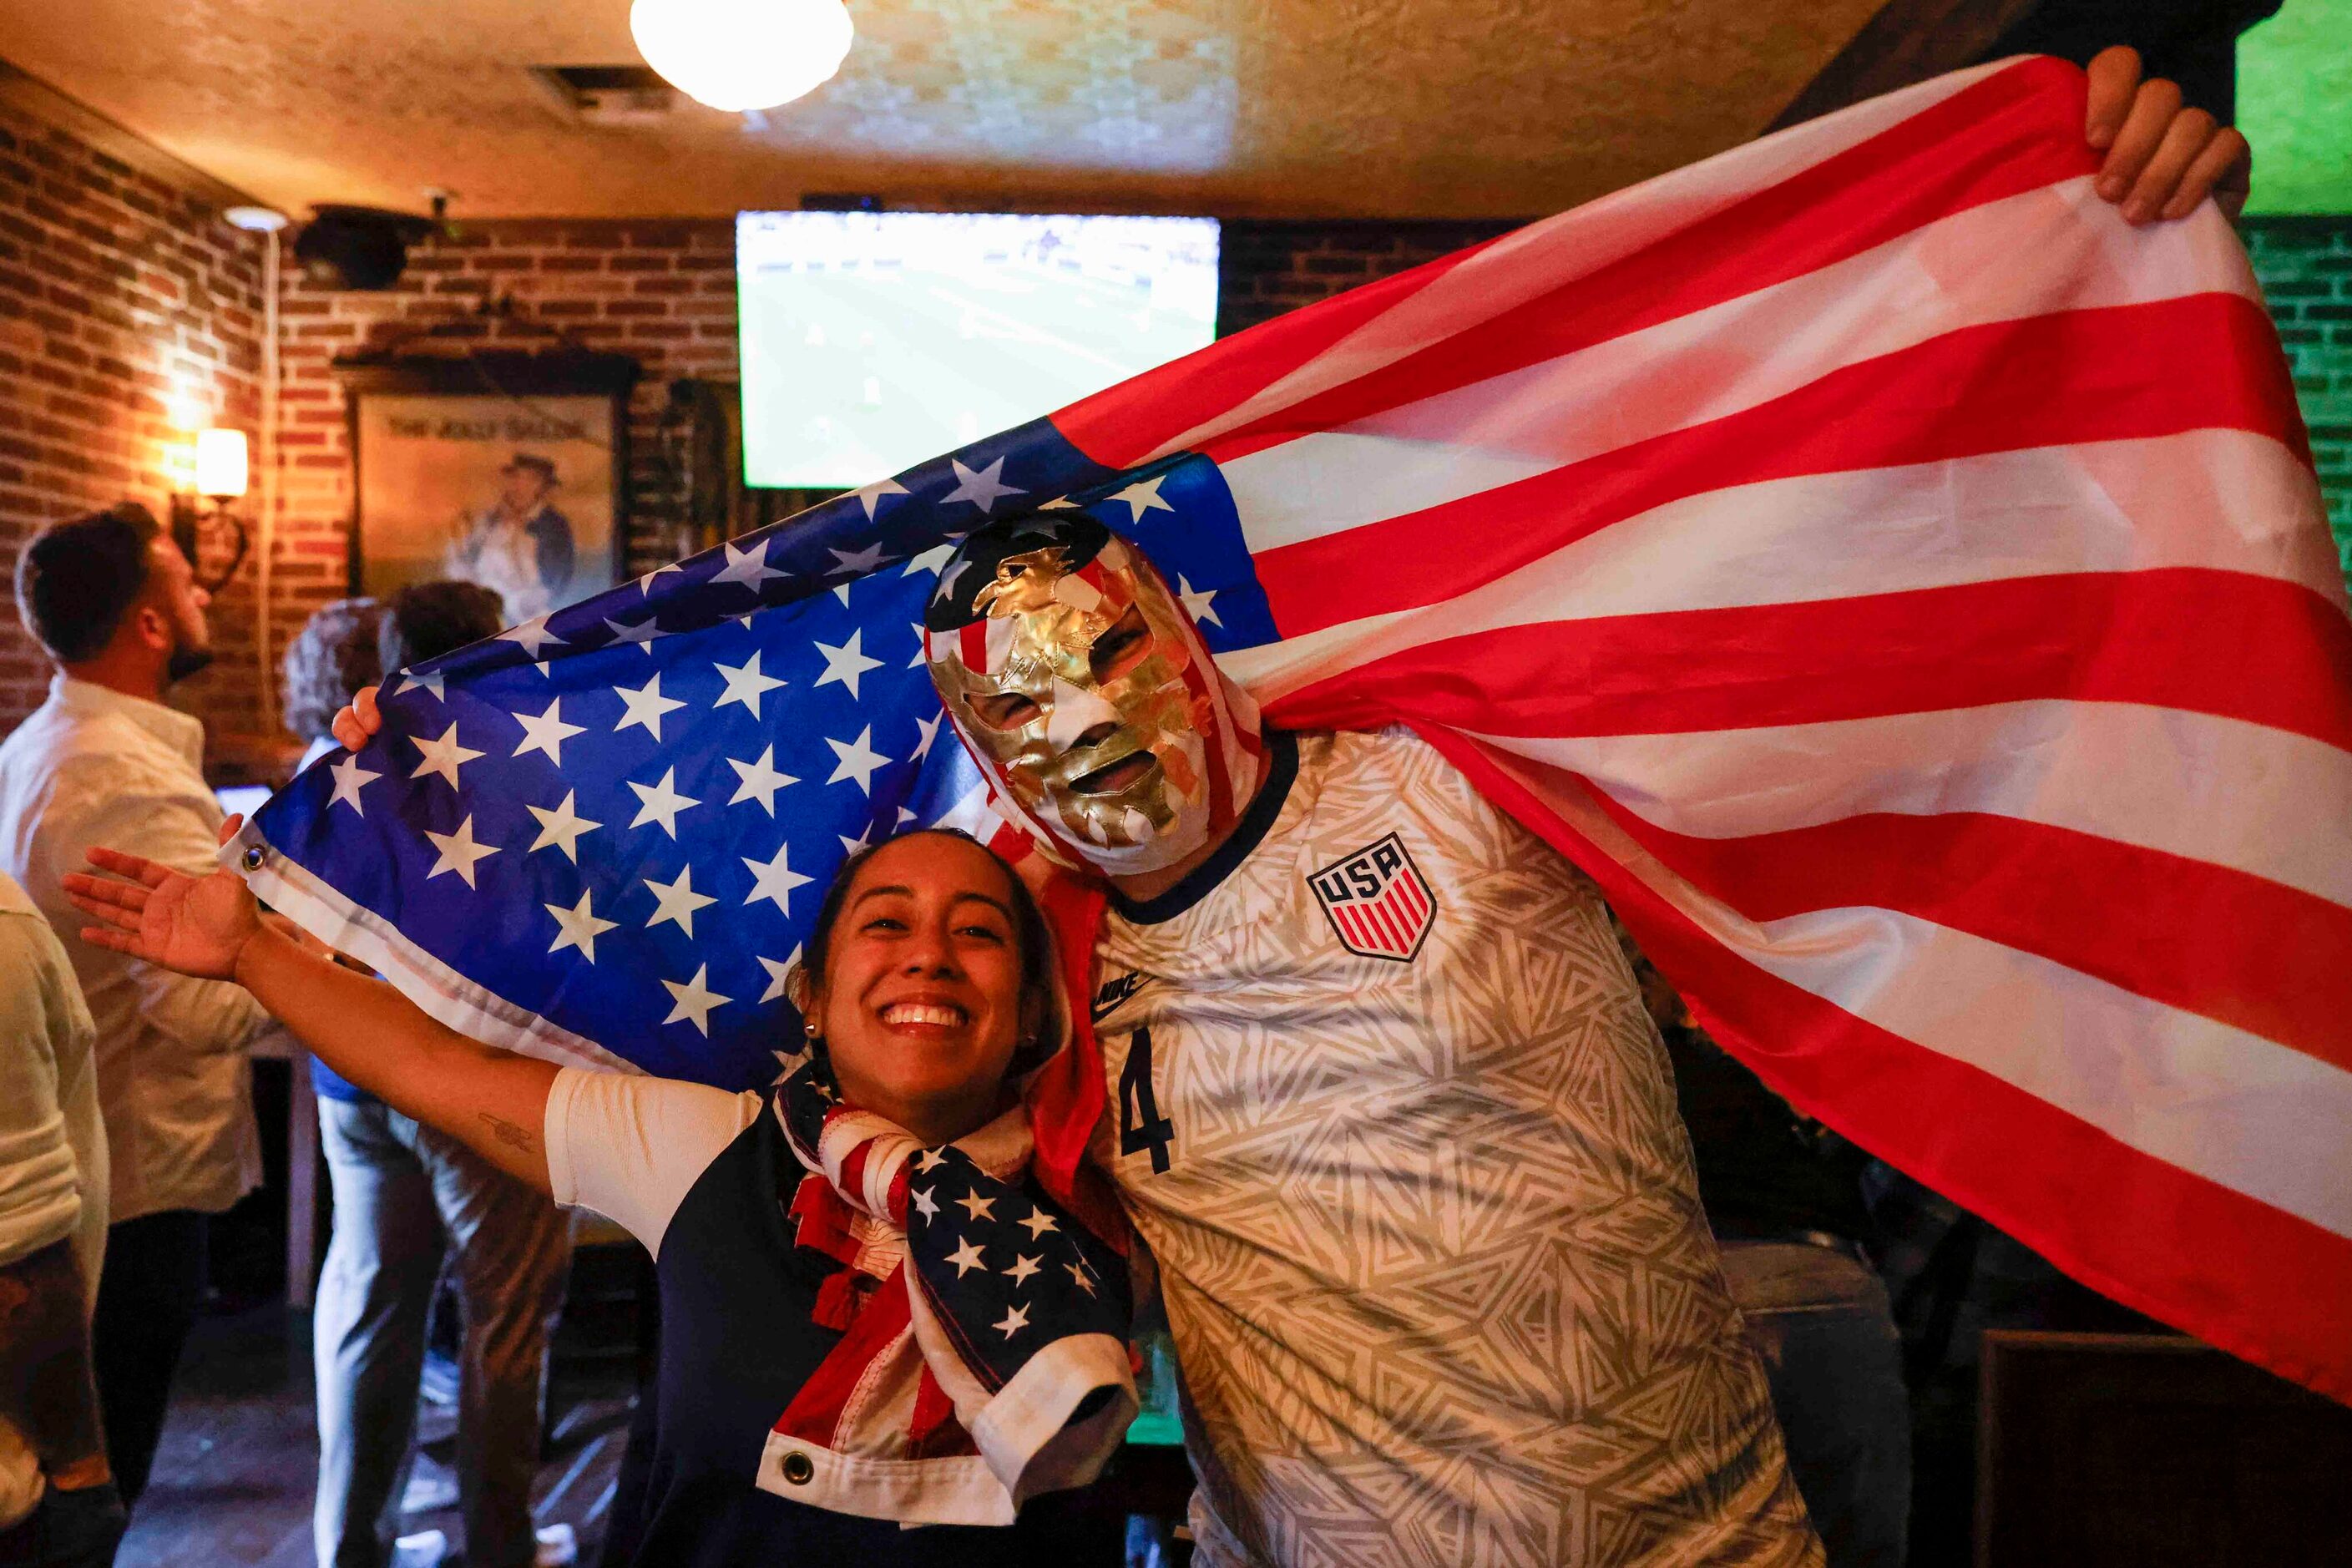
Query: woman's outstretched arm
{"type": "Point", "coordinates": [492, 1100]}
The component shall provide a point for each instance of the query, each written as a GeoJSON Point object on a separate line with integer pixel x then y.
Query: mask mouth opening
{"type": "Point", "coordinates": [1112, 777]}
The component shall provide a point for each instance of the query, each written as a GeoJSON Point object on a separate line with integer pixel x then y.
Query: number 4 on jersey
{"type": "Point", "coordinates": [1141, 1125]}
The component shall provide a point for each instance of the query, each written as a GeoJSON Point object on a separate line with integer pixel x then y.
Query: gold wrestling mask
{"type": "Point", "coordinates": [1083, 690]}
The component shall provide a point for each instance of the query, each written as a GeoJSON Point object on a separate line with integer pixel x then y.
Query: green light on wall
{"type": "Point", "coordinates": [2294, 104]}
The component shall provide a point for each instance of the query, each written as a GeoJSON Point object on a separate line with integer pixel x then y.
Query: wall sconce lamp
{"type": "Point", "coordinates": [221, 473]}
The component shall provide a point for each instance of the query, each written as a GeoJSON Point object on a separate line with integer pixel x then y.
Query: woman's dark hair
{"type": "Point", "coordinates": [77, 579]}
{"type": "Point", "coordinates": [425, 620]}
{"type": "Point", "coordinates": [1040, 981]}
{"type": "Point", "coordinates": [329, 659]}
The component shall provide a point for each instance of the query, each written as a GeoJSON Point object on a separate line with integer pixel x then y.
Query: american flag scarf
{"type": "Point", "coordinates": [958, 1389]}
{"type": "Point", "coordinates": [1901, 583]}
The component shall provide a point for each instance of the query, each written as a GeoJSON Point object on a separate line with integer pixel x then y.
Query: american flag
{"type": "Point", "coordinates": [1902, 584]}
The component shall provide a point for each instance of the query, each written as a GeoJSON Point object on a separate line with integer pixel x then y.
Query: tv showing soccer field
{"type": "Point", "coordinates": [874, 341]}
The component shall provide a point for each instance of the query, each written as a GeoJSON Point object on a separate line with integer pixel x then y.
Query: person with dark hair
{"type": "Point", "coordinates": [392, 1179]}
{"type": "Point", "coordinates": [429, 619]}
{"type": "Point", "coordinates": [817, 1396]}
{"type": "Point", "coordinates": [104, 761]}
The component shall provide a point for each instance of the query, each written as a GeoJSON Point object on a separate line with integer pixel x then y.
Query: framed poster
{"type": "Point", "coordinates": [508, 471]}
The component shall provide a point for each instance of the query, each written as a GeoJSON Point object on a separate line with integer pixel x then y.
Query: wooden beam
{"type": "Point", "coordinates": [1907, 41]}
{"type": "Point", "coordinates": [21, 90]}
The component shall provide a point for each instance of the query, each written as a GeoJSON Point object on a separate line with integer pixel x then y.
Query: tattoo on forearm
{"type": "Point", "coordinates": [510, 1133]}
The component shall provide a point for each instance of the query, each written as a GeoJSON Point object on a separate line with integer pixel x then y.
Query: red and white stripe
{"type": "Point", "coordinates": [1905, 587]}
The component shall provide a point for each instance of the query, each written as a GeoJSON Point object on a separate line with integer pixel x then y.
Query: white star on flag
{"type": "Point", "coordinates": [929, 560]}
{"type": "Point", "coordinates": [925, 1205]}
{"type": "Point", "coordinates": [546, 732]}
{"type": "Point", "coordinates": [1196, 605]}
{"type": "Point", "coordinates": [1038, 1223]}
{"type": "Point", "coordinates": [1085, 1281]}
{"type": "Point", "coordinates": [921, 656]}
{"type": "Point", "coordinates": [562, 827]}
{"type": "Point", "coordinates": [745, 685]}
{"type": "Point", "coordinates": [930, 730]}
{"type": "Point", "coordinates": [411, 680]}
{"type": "Point", "coordinates": [858, 563]}
{"type": "Point", "coordinates": [645, 705]}
{"type": "Point", "coordinates": [459, 851]}
{"type": "Point", "coordinates": [694, 1000]}
{"type": "Point", "coordinates": [645, 582]}
{"type": "Point", "coordinates": [641, 633]}
{"type": "Point", "coordinates": [662, 803]}
{"type": "Point", "coordinates": [977, 1206]}
{"type": "Point", "coordinates": [349, 779]}
{"type": "Point", "coordinates": [749, 567]}
{"type": "Point", "coordinates": [579, 927]}
{"type": "Point", "coordinates": [871, 496]}
{"type": "Point", "coordinates": [1022, 1268]}
{"type": "Point", "coordinates": [443, 755]}
{"type": "Point", "coordinates": [533, 634]}
{"type": "Point", "coordinates": [929, 1160]}
{"type": "Point", "coordinates": [965, 1257]}
{"type": "Point", "coordinates": [847, 663]}
{"type": "Point", "coordinates": [983, 490]}
{"type": "Point", "coordinates": [1015, 1319]}
{"type": "Point", "coordinates": [859, 760]}
{"type": "Point", "coordinates": [677, 901]}
{"type": "Point", "coordinates": [777, 970]}
{"type": "Point", "coordinates": [761, 781]}
{"type": "Point", "coordinates": [1143, 496]}
{"type": "Point", "coordinates": [775, 879]}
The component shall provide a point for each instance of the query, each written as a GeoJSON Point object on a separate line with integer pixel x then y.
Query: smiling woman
{"type": "Point", "coordinates": [808, 1398]}
{"type": "Point", "coordinates": [929, 979]}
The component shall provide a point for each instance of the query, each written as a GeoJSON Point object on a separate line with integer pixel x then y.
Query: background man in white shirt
{"type": "Point", "coordinates": [57, 1503]}
{"type": "Point", "coordinates": [103, 761]}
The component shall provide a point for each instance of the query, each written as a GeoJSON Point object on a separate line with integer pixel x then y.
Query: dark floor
{"type": "Point", "coordinates": [234, 1477]}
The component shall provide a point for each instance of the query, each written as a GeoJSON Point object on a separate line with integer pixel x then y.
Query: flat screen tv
{"type": "Point", "coordinates": [874, 341]}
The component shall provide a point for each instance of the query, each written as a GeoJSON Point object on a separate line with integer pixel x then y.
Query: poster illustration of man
{"type": "Point", "coordinates": [519, 546]}
{"type": "Point", "coordinates": [516, 494]}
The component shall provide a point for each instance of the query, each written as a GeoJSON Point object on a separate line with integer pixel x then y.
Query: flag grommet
{"type": "Point", "coordinates": [798, 1468]}
{"type": "Point", "coordinates": [252, 857]}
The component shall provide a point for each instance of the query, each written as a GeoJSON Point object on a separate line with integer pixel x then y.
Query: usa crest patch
{"type": "Point", "coordinates": [1377, 901]}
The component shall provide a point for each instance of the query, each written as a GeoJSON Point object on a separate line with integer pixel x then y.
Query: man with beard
{"type": "Point", "coordinates": [103, 761]}
{"type": "Point", "coordinates": [1389, 1110]}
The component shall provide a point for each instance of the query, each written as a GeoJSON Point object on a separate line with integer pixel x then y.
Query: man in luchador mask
{"type": "Point", "coordinates": [1389, 1113]}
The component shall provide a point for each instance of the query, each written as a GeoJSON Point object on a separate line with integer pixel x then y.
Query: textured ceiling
{"type": "Point", "coordinates": [1373, 108]}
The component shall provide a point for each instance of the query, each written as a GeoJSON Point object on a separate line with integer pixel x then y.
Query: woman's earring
{"type": "Point", "coordinates": [808, 1027]}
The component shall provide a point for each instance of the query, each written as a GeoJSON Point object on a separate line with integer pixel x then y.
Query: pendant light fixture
{"type": "Point", "coordinates": [741, 54]}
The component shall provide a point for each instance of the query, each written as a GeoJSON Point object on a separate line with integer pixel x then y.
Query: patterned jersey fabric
{"type": "Point", "coordinates": [1388, 1112]}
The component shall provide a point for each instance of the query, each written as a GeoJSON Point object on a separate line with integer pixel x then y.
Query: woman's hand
{"type": "Point", "coordinates": [354, 725]}
{"type": "Point", "coordinates": [2162, 158]}
{"type": "Point", "coordinates": [196, 925]}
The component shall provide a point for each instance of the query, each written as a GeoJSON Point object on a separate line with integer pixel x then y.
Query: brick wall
{"type": "Point", "coordinates": [128, 314]}
{"type": "Point", "coordinates": [2306, 266]}
{"type": "Point", "coordinates": [1268, 267]}
{"type": "Point", "coordinates": [661, 292]}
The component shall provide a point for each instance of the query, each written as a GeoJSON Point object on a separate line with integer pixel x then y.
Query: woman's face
{"type": "Point", "coordinates": [920, 1000]}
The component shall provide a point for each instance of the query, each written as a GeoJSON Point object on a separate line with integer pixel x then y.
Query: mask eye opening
{"type": "Point", "coordinates": [1004, 711]}
{"type": "Point", "coordinates": [1122, 647]}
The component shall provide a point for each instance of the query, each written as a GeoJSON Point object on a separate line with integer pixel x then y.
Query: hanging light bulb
{"type": "Point", "coordinates": [741, 54]}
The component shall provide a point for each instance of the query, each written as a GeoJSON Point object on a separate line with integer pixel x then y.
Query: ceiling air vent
{"type": "Point", "coordinates": [608, 95]}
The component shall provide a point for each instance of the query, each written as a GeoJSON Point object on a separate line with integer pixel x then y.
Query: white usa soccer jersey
{"type": "Point", "coordinates": [1388, 1110]}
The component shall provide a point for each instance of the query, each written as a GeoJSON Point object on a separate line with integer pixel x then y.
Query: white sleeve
{"type": "Point", "coordinates": [631, 1146]}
